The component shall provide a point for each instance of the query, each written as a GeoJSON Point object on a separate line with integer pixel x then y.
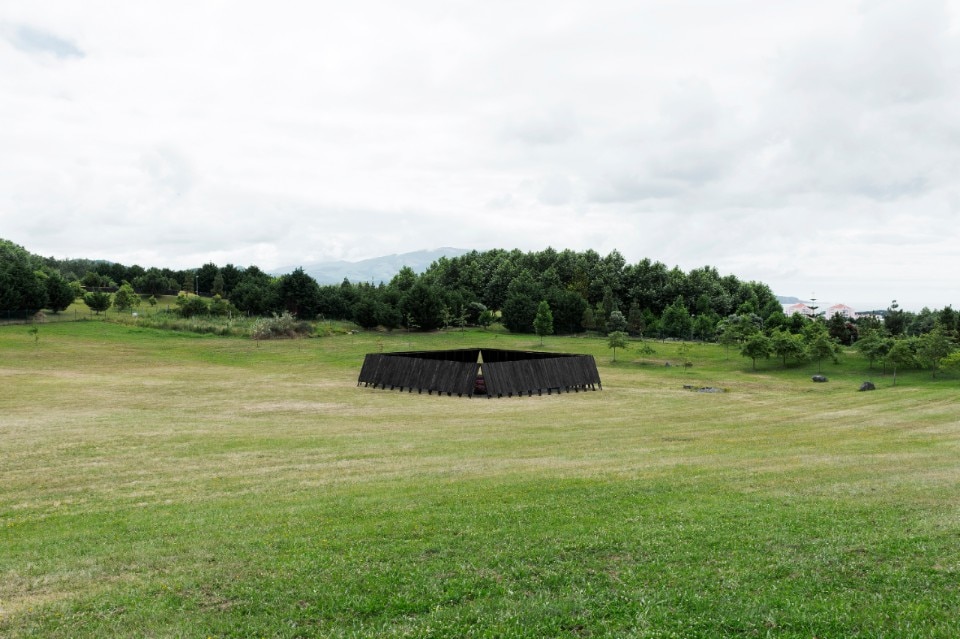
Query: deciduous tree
{"type": "Point", "coordinates": [125, 299]}
{"type": "Point", "coordinates": [820, 344]}
{"type": "Point", "coordinates": [756, 347]}
{"type": "Point", "coordinates": [933, 347]}
{"type": "Point", "coordinates": [97, 301]}
{"type": "Point", "coordinates": [615, 340]}
{"type": "Point", "coordinates": [616, 322]}
{"type": "Point", "coordinates": [543, 322]}
{"type": "Point", "coordinates": [873, 345]}
{"type": "Point", "coordinates": [902, 354]}
{"type": "Point", "coordinates": [786, 346]}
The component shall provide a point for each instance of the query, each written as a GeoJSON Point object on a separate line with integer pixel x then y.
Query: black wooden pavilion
{"type": "Point", "coordinates": [475, 371]}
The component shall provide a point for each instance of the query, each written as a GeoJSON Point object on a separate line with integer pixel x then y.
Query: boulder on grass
{"type": "Point", "coordinates": [819, 378]}
{"type": "Point", "coordinates": [867, 386]}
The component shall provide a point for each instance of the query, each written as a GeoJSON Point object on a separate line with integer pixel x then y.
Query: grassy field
{"type": "Point", "coordinates": [157, 484]}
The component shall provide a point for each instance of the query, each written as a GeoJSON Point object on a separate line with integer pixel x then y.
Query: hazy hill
{"type": "Point", "coordinates": [375, 270]}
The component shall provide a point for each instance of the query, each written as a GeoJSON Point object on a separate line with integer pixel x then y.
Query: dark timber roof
{"type": "Point", "coordinates": [459, 372]}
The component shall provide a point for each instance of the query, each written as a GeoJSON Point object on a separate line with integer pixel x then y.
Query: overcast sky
{"type": "Point", "coordinates": [813, 145]}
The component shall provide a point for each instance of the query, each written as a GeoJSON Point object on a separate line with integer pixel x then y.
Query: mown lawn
{"type": "Point", "coordinates": [155, 484]}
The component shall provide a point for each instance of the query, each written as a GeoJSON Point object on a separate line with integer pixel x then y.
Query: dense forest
{"type": "Point", "coordinates": [582, 291]}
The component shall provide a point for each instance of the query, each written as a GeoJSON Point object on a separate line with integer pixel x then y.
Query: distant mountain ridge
{"type": "Point", "coordinates": [373, 270]}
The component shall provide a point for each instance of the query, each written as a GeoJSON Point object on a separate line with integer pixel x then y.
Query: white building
{"type": "Point", "coordinates": [807, 311]}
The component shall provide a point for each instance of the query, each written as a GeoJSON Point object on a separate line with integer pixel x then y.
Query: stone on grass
{"type": "Point", "coordinates": [819, 378]}
{"type": "Point", "coordinates": [867, 386]}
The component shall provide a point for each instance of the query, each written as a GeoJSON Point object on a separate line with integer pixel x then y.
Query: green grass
{"type": "Point", "coordinates": [159, 484]}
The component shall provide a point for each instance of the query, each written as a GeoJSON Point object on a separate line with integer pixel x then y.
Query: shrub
{"type": "Point", "coordinates": [191, 305]}
{"type": "Point", "coordinates": [278, 326]}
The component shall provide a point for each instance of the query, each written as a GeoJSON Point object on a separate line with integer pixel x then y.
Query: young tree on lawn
{"type": "Point", "coordinates": [97, 301]}
{"type": "Point", "coordinates": [757, 346]}
{"type": "Point", "coordinates": [933, 347]}
{"type": "Point", "coordinates": [727, 335]}
{"type": "Point", "coordinates": [615, 340]}
{"type": "Point", "coordinates": [786, 345]}
{"type": "Point", "coordinates": [543, 322]}
{"type": "Point", "coordinates": [874, 345]}
{"type": "Point", "coordinates": [820, 344]}
{"type": "Point", "coordinates": [486, 318]}
{"type": "Point", "coordinates": [902, 353]}
{"type": "Point", "coordinates": [125, 299]}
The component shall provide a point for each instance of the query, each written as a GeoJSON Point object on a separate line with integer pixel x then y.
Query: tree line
{"type": "Point", "coordinates": [581, 291]}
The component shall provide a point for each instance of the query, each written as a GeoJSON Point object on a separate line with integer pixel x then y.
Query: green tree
{"type": "Point", "coordinates": [257, 293]}
{"type": "Point", "coordinates": [205, 276]}
{"type": "Point", "coordinates": [615, 340]}
{"type": "Point", "coordinates": [895, 320]}
{"type": "Point", "coordinates": [796, 322]}
{"type": "Point", "coordinates": [92, 279]}
{"type": "Point", "coordinates": [617, 323]}
{"type": "Point", "coordinates": [21, 290]}
{"type": "Point", "coordinates": [60, 294]}
{"type": "Point", "coordinates": [588, 321]}
{"type": "Point", "coordinates": [705, 326]}
{"type": "Point", "coordinates": [404, 279]}
{"type": "Point", "coordinates": [951, 362]}
{"type": "Point", "coordinates": [567, 308]}
{"type": "Point", "coordinates": [231, 277]}
{"type": "Point", "coordinates": [125, 299]}
{"type": "Point", "coordinates": [217, 287]}
{"type": "Point", "coordinates": [727, 335]}
{"type": "Point", "coordinates": [840, 329]}
{"type": "Point", "coordinates": [97, 301]}
{"type": "Point", "coordinates": [189, 305]}
{"type": "Point", "coordinates": [299, 294]}
{"type": "Point", "coordinates": [741, 327]}
{"type": "Point", "coordinates": [757, 346]}
{"type": "Point", "coordinates": [635, 320]}
{"type": "Point", "coordinates": [820, 344]}
{"type": "Point", "coordinates": [486, 318]}
{"type": "Point", "coordinates": [520, 306]}
{"type": "Point", "coordinates": [949, 320]}
{"type": "Point", "coordinates": [786, 346]}
{"type": "Point", "coordinates": [543, 322]}
{"type": "Point", "coordinates": [934, 347]}
{"type": "Point", "coordinates": [873, 345]}
{"type": "Point", "coordinates": [676, 320]}
{"type": "Point", "coordinates": [902, 354]}
{"type": "Point", "coordinates": [154, 282]}
{"type": "Point", "coordinates": [365, 311]}
{"type": "Point", "coordinates": [608, 304]}
{"type": "Point", "coordinates": [220, 307]}
{"type": "Point", "coordinates": [422, 305]}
